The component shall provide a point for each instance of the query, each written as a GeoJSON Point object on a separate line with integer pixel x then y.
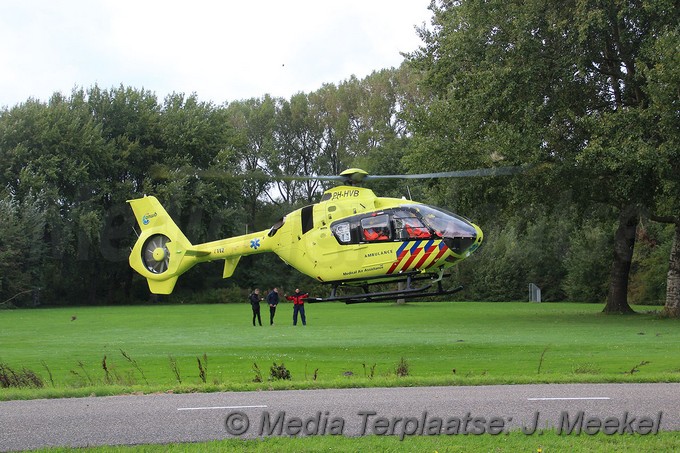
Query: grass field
{"type": "Point", "coordinates": [514, 442]}
{"type": "Point", "coordinates": [359, 345]}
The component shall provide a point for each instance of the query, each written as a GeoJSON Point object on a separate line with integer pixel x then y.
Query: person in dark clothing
{"type": "Point", "coordinates": [255, 304]}
{"type": "Point", "coordinates": [298, 306]}
{"type": "Point", "coordinates": [273, 301]}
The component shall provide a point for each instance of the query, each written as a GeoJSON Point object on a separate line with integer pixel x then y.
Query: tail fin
{"type": "Point", "coordinates": [162, 253]}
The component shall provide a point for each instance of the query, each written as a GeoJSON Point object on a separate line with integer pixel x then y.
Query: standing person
{"type": "Point", "coordinates": [273, 301]}
{"type": "Point", "coordinates": [298, 306]}
{"type": "Point", "coordinates": [255, 299]}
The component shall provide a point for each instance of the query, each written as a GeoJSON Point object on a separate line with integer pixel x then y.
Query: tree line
{"type": "Point", "coordinates": [583, 95]}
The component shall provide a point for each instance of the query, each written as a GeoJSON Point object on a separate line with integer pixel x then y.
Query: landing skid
{"type": "Point", "coordinates": [408, 292]}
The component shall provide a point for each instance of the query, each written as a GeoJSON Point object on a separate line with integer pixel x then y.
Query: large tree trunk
{"type": "Point", "coordinates": [672, 307]}
{"type": "Point", "coordinates": [617, 299]}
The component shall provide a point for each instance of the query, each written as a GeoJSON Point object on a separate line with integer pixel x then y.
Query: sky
{"type": "Point", "coordinates": [222, 50]}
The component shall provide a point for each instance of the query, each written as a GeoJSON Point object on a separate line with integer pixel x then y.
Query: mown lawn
{"type": "Point", "coordinates": [357, 345]}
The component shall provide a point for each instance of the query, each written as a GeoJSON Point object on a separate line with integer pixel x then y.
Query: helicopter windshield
{"type": "Point", "coordinates": [444, 223]}
{"type": "Point", "coordinates": [458, 234]}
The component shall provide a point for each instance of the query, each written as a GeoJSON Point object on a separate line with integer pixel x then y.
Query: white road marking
{"type": "Point", "coordinates": [570, 398]}
{"type": "Point", "coordinates": [218, 407]}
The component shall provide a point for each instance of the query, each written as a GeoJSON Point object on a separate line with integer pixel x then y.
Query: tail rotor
{"type": "Point", "coordinates": [155, 253]}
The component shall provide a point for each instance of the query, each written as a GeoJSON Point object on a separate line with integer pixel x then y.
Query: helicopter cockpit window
{"type": "Point", "coordinates": [414, 228]}
{"type": "Point", "coordinates": [276, 226]}
{"type": "Point", "coordinates": [408, 226]}
{"type": "Point", "coordinates": [376, 228]}
{"type": "Point", "coordinates": [342, 232]}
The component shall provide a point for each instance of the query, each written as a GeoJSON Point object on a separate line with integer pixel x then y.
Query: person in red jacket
{"type": "Point", "coordinates": [298, 306]}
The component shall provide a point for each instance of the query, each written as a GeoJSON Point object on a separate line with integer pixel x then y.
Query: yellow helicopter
{"type": "Point", "coordinates": [351, 238]}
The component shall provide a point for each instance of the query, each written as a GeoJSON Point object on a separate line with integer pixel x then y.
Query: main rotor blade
{"type": "Point", "coordinates": [309, 178]}
{"type": "Point", "coordinates": [493, 171]}
{"type": "Point", "coordinates": [163, 172]}
{"type": "Point", "coordinates": [360, 177]}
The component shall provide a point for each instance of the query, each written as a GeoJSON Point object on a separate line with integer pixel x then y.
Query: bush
{"type": "Point", "coordinates": [279, 372]}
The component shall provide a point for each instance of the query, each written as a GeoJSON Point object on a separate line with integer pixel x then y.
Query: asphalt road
{"type": "Point", "coordinates": [618, 409]}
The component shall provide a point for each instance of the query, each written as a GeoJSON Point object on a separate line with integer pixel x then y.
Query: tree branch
{"type": "Point", "coordinates": [665, 219]}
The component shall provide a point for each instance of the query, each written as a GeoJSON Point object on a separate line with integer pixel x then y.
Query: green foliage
{"type": "Point", "coordinates": [539, 248]}
{"type": "Point", "coordinates": [86, 155]}
{"type": "Point", "coordinates": [499, 273]}
{"type": "Point", "coordinates": [650, 264]}
{"type": "Point", "coordinates": [588, 263]}
{"type": "Point", "coordinates": [21, 253]}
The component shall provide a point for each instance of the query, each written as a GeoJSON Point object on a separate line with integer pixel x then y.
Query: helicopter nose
{"type": "Point", "coordinates": [465, 240]}
{"type": "Point", "coordinates": [460, 244]}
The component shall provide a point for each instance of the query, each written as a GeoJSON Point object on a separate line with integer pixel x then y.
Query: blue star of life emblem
{"type": "Point", "coordinates": [254, 244]}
